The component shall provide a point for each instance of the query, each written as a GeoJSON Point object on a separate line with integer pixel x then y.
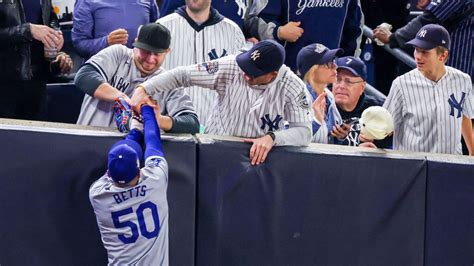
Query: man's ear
{"type": "Point", "coordinates": [274, 74]}
{"type": "Point", "coordinates": [444, 56]}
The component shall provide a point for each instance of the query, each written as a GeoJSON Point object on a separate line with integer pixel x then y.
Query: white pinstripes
{"type": "Point", "coordinates": [191, 47]}
{"type": "Point", "coordinates": [240, 107]}
{"type": "Point", "coordinates": [422, 114]}
{"type": "Point", "coordinates": [461, 52]}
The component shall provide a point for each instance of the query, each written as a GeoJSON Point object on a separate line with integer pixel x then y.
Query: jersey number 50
{"type": "Point", "coordinates": [141, 222]}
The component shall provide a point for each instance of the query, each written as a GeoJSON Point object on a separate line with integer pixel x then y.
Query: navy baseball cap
{"type": "Point", "coordinates": [153, 37]}
{"type": "Point", "coordinates": [124, 161]}
{"type": "Point", "coordinates": [315, 54]}
{"type": "Point", "coordinates": [354, 65]}
{"type": "Point", "coordinates": [264, 57]}
{"type": "Point", "coordinates": [431, 36]}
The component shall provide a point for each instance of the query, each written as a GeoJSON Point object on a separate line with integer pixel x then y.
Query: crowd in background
{"type": "Point", "coordinates": [321, 42]}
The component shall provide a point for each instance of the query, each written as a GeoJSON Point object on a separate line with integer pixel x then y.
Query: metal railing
{"type": "Point", "coordinates": [397, 52]}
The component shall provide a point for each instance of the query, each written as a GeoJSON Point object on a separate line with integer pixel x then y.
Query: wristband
{"type": "Point", "coordinates": [271, 134]}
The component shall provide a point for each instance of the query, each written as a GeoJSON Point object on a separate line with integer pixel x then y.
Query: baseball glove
{"type": "Point", "coordinates": [122, 115]}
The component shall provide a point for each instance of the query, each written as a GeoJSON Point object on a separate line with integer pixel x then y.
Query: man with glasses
{"type": "Point", "coordinates": [114, 73]}
{"type": "Point", "coordinates": [351, 99]}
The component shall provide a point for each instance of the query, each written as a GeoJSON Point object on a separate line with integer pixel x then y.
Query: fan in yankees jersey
{"type": "Point", "coordinates": [194, 42]}
{"type": "Point", "coordinates": [436, 110]}
{"type": "Point", "coordinates": [115, 72]}
{"type": "Point", "coordinates": [256, 93]}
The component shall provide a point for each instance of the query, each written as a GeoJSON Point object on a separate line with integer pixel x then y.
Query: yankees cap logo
{"type": "Point", "coordinates": [319, 48]}
{"type": "Point", "coordinates": [255, 55]}
{"type": "Point", "coordinates": [422, 33]}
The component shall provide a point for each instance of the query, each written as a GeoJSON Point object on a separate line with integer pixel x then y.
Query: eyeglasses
{"type": "Point", "coordinates": [347, 81]}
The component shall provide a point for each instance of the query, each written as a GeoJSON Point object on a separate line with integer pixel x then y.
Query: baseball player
{"type": "Point", "coordinates": [257, 94]}
{"type": "Point", "coordinates": [316, 67]}
{"type": "Point", "coordinates": [429, 102]}
{"type": "Point", "coordinates": [199, 34]}
{"type": "Point", "coordinates": [130, 203]}
{"type": "Point", "coordinates": [115, 71]}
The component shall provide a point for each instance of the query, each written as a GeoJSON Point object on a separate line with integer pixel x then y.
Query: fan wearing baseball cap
{"type": "Point", "coordinates": [113, 73]}
{"type": "Point", "coordinates": [127, 195]}
{"type": "Point", "coordinates": [351, 101]}
{"type": "Point", "coordinates": [432, 105]}
{"type": "Point", "coordinates": [258, 97]}
{"type": "Point", "coordinates": [316, 67]}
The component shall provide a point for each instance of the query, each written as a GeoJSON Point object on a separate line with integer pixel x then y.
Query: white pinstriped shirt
{"type": "Point", "coordinates": [189, 46]}
{"type": "Point", "coordinates": [243, 110]}
{"type": "Point", "coordinates": [428, 114]}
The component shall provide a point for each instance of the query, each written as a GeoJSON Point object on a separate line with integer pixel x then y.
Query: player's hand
{"type": "Point", "coordinates": [64, 61]}
{"type": "Point", "coordinates": [139, 98]}
{"type": "Point", "coordinates": [319, 107]}
{"type": "Point", "coordinates": [382, 34]}
{"type": "Point", "coordinates": [340, 132]}
{"type": "Point", "coordinates": [290, 32]}
{"type": "Point", "coordinates": [118, 36]}
{"type": "Point", "coordinates": [368, 145]}
{"type": "Point", "coordinates": [260, 149]}
{"type": "Point", "coordinates": [49, 37]}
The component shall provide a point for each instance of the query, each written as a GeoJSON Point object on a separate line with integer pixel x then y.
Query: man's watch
{"type": "Point", "coordinates": [271, 134]}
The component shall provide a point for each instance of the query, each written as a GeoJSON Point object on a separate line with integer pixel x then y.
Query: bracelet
{"type": "Point", "coordinates": [271, 134]}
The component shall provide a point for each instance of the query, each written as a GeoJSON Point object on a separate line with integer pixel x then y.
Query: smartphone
{"type": "Point", "coordinates": [349, 121]}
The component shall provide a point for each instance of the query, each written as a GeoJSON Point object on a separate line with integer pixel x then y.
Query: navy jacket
{"type": "Point", "coordinates": [334, 23]}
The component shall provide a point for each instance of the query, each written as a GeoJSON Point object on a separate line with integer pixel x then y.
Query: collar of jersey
{"type": "Point", "coordinates": [214, 18]}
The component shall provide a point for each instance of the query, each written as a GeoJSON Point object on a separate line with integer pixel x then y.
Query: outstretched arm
{"type": "Point", "coordinates": [152, 134]}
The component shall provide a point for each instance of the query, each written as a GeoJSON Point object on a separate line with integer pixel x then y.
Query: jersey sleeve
{"type": "Point", "coordinates": [394, 103]}
{"type": "Point", "coordinates": [82, 34]}
{"type": "Point", "coordinates": [107, 60]}
{"type": "Point", "coordinates": [156, 167]}
{"type": "Point", "coordinates": [445, 10]}
{"type": "Point", "coordinates": [213, 75]}
{"type": "Point", "coordinates": [352, 30]}
{"type": "Point", "coordinates": [264, 19]}
{"type": "Point", "coordinates": [177, 102]}
{"type": "Point", "coordinates": [297, 103]}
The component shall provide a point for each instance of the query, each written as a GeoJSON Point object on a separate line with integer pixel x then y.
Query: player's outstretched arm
{"type": "Point", "coordinates": [152, 133]}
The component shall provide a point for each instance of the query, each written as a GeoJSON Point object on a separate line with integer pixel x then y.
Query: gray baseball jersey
{"type": "Point", "coordinates": [427, 114]}
{"type": "Point", "coordinates": [117, 67]}
{"type": "Point", "coordinates": [133, 221]}
{"type": "Point", "coordinates": [192, 44]}
{"type": "Point", "coordinates": [242, 110]}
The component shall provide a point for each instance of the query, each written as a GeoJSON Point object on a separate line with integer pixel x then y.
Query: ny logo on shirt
{"type": "Point", "coordinates": [213, 54]}
{"type": "Point", "coordinates": [272, 124]}
{"type": "Point", "coordinates": [456, 105]}
{"type": "Point", "coordinates": [120, 85]}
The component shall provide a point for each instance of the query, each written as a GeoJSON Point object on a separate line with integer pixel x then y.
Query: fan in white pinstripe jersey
{"type": "Point", "coordinates": [252, 104]}
{"type": "Point", "coordinates": [429, 103]}
{"type": "Point", "coordinates": [199, 34]}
